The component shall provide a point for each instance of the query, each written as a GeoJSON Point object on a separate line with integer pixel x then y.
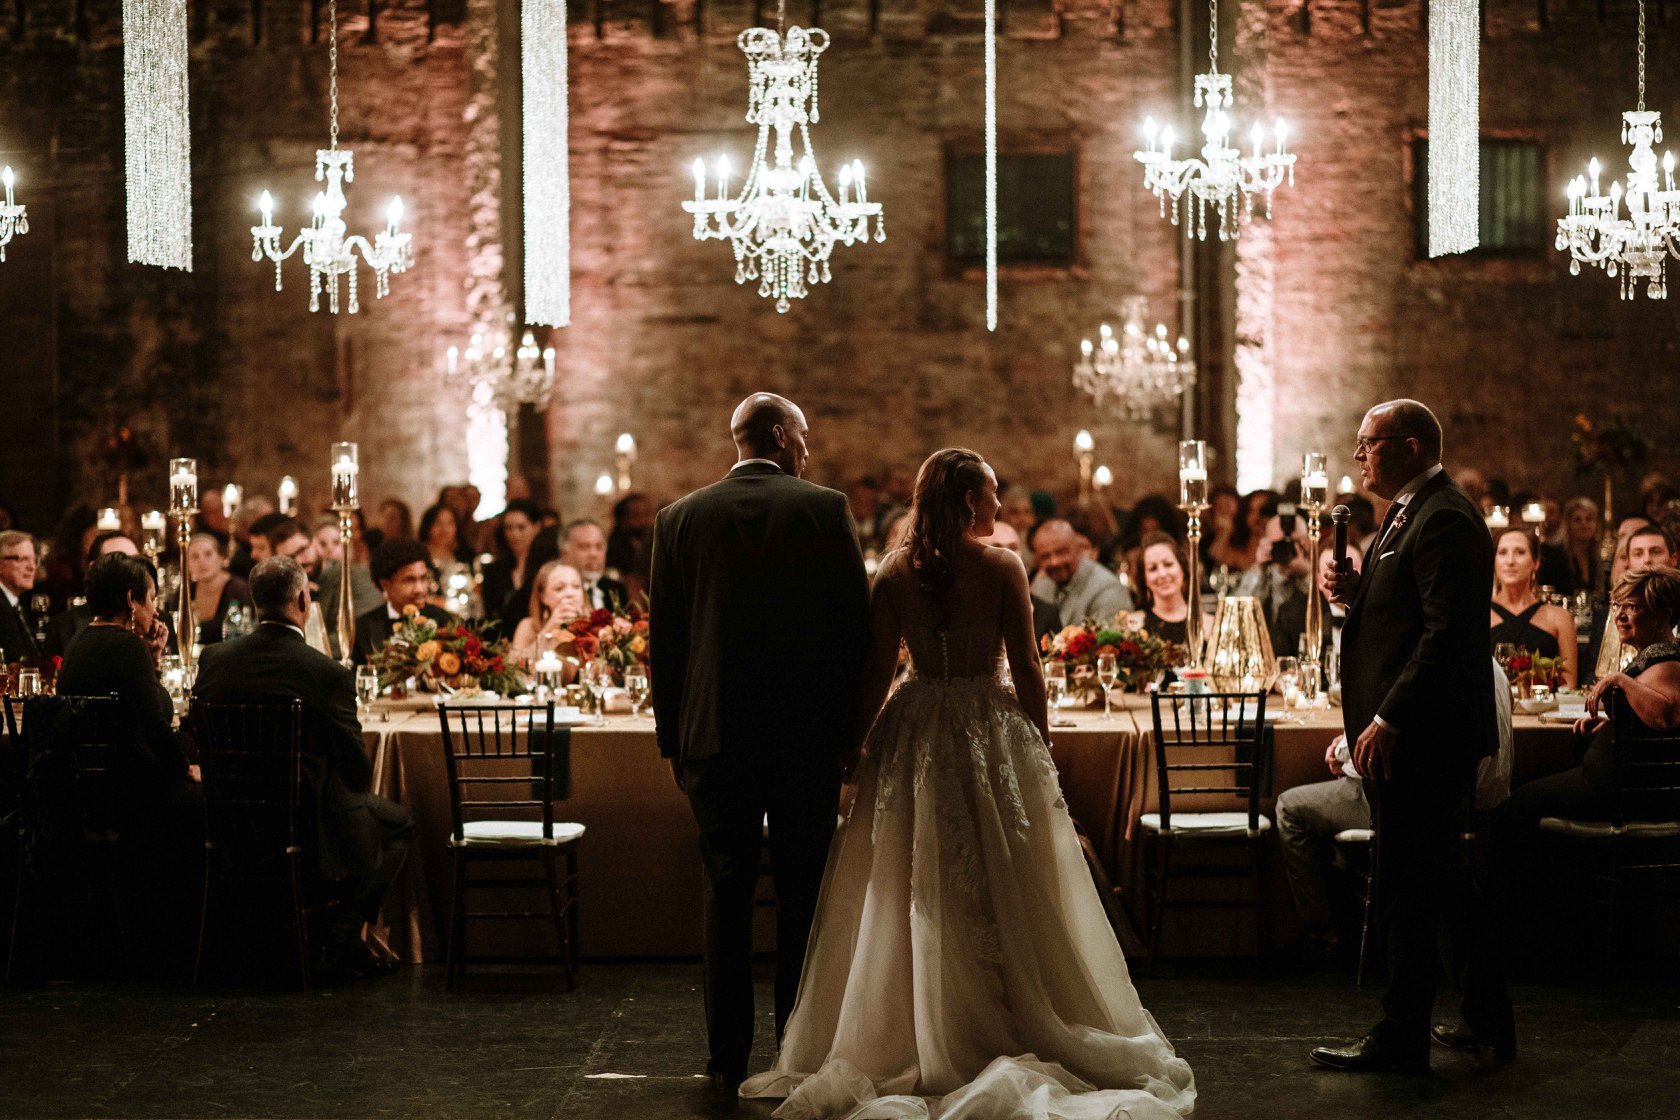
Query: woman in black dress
{"type": "Point", "coordinates": [214, 588]}
{"type": "Point", "coordinates": [1518, 617]}
{"type": "Point", "coordinates": [1166, 611]}
{"type": "Point", "coordinates": [1646, 606]}
{"type": "Point", "coordinates": [511, 569]}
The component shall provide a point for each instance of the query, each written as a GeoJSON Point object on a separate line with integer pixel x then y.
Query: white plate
{"type": "Point", "coordinates": [1563, 715]}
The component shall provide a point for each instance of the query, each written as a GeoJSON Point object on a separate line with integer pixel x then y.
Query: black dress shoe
{"type": "Point", "coordinates": [1459, 1036]}
{"type": "Point", "coordinates": [1373, 1054]}
{"type": "Point", "coordinates": [726, 1084]}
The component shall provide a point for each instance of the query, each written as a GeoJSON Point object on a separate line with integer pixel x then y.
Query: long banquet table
{"type": "Point", "coordinates": [640, 893]}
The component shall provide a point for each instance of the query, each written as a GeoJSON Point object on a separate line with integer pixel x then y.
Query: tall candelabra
{"type": "Point", "coordinates": [1085, 454]}
{"type": "Point", "coordinates": [183, 507]}
{"type": "Point", "coordinates": [345, 467]}
{"type": "Point", "coordinates": [1193, 500]}
{"type": "Point", "coordinates": [1315, 489]}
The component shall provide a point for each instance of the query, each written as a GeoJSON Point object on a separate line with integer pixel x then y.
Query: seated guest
{"type": "Point", "coordinates": [511, 570]}
{"type": "Point", "coordinates": [358, 838]}
{"type": "Point", "coordinates": [584, 547]}
{"type": "Point", "coordinates": [256, 545]}
{"type": "Point", "coordinates": [556, 599]}
{"type": "Point", "coordinates": [214, 589]}
{"type": "Point", "coordinates": [440, 533]}
{"type": "Point", "coordinates": [1078, 586]}
{"type": "Point", "coordinates": [1519, 617]}
{"type": "Point", "coordinates": [630, 541]}
{"type": "Point", "coordinates": [329, 547]}
{"type": "Point", "coordinates": [1573, 565]}
{"type": "Point", "coordinates": [1045, 619]}
{"type": "Point", "coordinates": [393, 519]}
{"type": "Point", "coordinates": [65, 625]}
{"type": "Point", "coordinates": [1017, 513]}
{"type": "Point", "coordinates": [291, 539]}
{"type": "Point", "coordinates": [400, 567]}
{"type": "Point", "coordinates": [1166, 611]}
{"type": "Point", "coordinates": [1647, 548]}
{"type": "Point", "coordinates": [1219, 546]}
{"type": "Point", "coordinates": [1281, 580]}
{"type": "Point", "coordinates": [17, 583]}
{"type": "Point", "coordinates": [1309, 816]}
{"type": "Point", "coordinates": [1646, 606]}
{"type": "Point", "coordinates": [117, 655]}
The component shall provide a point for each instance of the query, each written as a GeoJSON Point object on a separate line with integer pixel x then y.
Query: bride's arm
{"type": "Point", "coordinates": [885, 632]}
{"type": "Point", "coordinates": [1018, 643]}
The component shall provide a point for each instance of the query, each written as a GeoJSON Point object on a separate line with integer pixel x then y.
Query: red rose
{"type": "Point", "coordinates": [586, 646]}
{"type": "Point", "coordinates": [474, 646]}
{"type": "Point", "coordinates": [599, 618]}
{"type": "Point", "coordinates": [1521, 664]}
{"type": "Point", "coordinates": [496, 664]}
{"type": "Point", "coordinates": [579, 626]}
{"type": "Point", "coordinates": [1080, 644]}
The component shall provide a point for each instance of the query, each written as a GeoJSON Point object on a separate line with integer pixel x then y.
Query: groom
{"type": "Point", "coordinates": [758, 606]}
{"type": "Point", "coordinates": [1419, 715]}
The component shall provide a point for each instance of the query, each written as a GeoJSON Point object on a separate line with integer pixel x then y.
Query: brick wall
{"type": "Point", "coordinates": [891, 359]}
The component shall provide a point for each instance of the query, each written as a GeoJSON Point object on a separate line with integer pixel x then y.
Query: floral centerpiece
{"type": "Point", "coordinates": [616, 636]}
{"type": "Point", "coordinates": [1140, 657]}
{"type": "Point", "coordinates": [1525, 669]}
{"type": "Point", "coordinates": [447, 658]}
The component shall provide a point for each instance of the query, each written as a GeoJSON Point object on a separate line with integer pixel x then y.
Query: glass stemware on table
{"type": "Point", "coordinates": [1289, 684]}
{"type": "Point", "coordinates": [1055, 689]}
{"type": "Point", "coordinates": [367, 688]}
{"type": "Point", "coordinates": [1108, 672]}
{"type": "Point", "coordinates": [637, 689]}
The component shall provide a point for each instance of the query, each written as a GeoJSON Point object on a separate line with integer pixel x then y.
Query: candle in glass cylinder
{"type": "Point", "coordinates": [1345, 486]}
{"type": "Point", "coordinates": [288, 495]}
{"type": "Point", "coordinates": [548, 669]}
{"type": "Point", "coordinates": [1315, 478]}
{"type": "Point", "coordinates": [232, 495]}
{"type": "Point", "coordinates": [109, 521]}
{"type": "Point", "coordinates": [1192, 474]}
{"type": "Point", "coordinates": [1534, 513]}
{"type": "Point", "coordinates": [1499, 517]}
{"type": "Point", "coordinates": [152, 525]}
{"type": "Point", "coordinates": [345, 468]}
{"type": "Point", "coordinates": [183, 485]}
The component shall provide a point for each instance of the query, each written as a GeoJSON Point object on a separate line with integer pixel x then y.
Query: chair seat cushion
{"type": "Point", "coordinates": [1354, 836]}
{"type": "Point", "coordinates": [1205, 823]}
{"type": "Point", "coordinates": [1603, 830]}
{"type": "Point", "coordinates": [514, 834]}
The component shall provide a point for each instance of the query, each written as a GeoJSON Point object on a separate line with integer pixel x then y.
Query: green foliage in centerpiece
{"type": "Point", "coordinates": [449, 658]}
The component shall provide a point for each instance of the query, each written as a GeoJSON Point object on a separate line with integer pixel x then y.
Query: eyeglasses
{"type": "Point", "coordinates": [1364, 443]}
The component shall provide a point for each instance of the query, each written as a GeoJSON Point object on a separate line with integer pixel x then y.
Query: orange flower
{"type": "Point", "coordinates": [410, 611]}
{"type": "Point", "coordinates": [427, 651]}
{"type": "Point", "coordinates": [448, 664]}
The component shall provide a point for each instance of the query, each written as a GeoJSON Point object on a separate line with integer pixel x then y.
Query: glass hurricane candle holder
{"type": "Point", "coordinates": [1315, 479]}
{"type": "Point", "coordinates": [345, 469]}
{"type": "Point", "coordinates": [183, 486]}
{"type": "Point", "coordinates": [1192, 474]}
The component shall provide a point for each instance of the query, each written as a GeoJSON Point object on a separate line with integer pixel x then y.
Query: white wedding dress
{"type": "Point", "coordinates": [961, 966]}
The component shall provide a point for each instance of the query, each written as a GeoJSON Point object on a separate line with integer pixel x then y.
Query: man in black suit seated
{"type": "Point", "coordinates": [402, 568]}
{"type": "Point", "coordinates": [360, 839]}
{"type": "Point", "coordinates": [584, 547]}
{"type": "Point", "coordinates": [1420, 717]}
{"type": "Point", "coordinates": [17, 581]}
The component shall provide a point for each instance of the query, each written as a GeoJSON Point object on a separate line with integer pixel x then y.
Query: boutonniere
{"type": "Point", "coordinates": [1400, 519]}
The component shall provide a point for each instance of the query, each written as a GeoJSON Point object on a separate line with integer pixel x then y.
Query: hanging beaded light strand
{"type": "Point", "coordinates": [156, 133]}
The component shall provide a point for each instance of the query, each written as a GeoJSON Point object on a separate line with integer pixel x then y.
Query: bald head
{"type": "Point", "coordinates": [766, 426]}
{"type": "Point", "coordinates": [1398, 440]}
{"type": "Point", "coordinates": [1413, 419]}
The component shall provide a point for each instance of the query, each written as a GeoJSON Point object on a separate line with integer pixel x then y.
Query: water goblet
{"type": "Point", "coordinates": [636, 688]}
{"type": "Point", "coordinates": [367, 686]}
{"type": "Point", "coordinates": [1055, 683]}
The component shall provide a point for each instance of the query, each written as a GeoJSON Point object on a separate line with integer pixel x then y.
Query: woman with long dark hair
{"type": "Point", "coordinates": [960, 949]}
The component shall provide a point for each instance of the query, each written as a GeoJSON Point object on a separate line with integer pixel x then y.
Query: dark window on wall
{"type": "Point", "coordinates": [1037, 208]}
{"type": "Point", "coordinates": [1513, 217]}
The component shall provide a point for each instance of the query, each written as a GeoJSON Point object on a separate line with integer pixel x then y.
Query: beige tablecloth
{"type": "Point", "coordinates": [640, 874]}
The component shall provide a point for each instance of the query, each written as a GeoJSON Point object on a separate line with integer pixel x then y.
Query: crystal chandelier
{"type": "Point", "coordinates": [526, 376]}
{"type": "Point", "coordinates": [1137, 372]}
{"type": "Point", "coordinates": [1634, 247]}
{"type": "Point", "coordinates": [784, 223]}
{"type": "Point", "coordinates": [1223, 177]}
{"type": "Point", "coordinates": [327, 251]}
{"type": "Point", "coordinates": [13, 221]}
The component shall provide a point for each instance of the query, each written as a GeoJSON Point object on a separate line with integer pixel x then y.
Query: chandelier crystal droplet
{"type": "Point", "coordinates": [546, 162]}
{"type": "Point", "coordinates": [328, 250]}
{"type": "Point", "coordinates": [156, 133]}
{"type": "Point", "coordinates": [1633, 248]}
{"type": "Point", "coordinates": [784, 223]}
{"type": "Point", "coordinates": [1134, 374]}
{"type": "Point", "coordinates": [13, 220]}
{"type": "Point", "coordinates": [1223, 177]}
{"type": "Point", "coordinates": [1455, 126]}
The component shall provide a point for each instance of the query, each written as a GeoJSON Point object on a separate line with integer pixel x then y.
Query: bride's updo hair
{"type": "Point", "coordinates": [940, 516]}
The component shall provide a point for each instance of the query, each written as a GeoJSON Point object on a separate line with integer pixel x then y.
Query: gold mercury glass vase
{"type": "Point", "coordinates": [1239, 648]}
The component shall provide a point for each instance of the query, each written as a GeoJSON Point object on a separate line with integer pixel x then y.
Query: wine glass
{"type": "Point", "coordinates": [597, 678]}
{"type": "Point", "coordinates": [1108, 671]}
{"type": "Point", "coordinates": [1289, 680]}
{"type": "Point", "coordinates": [367, 686]}
{"type": "Point", "coordinates": [1055, 683]}
{"type": "Point", "coordinates": [636, 688]}
{"type": "Point", "coordinates": [1502, 653]}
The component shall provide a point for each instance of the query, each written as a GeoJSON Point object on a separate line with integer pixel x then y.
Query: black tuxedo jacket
{"type": "Point", "coordinates": [17, 630]}
{"type": "Point", "coordinates": [275, 663]}
{"type": "Point", "coordinates": [374, 629]}
{"type": "Point", "coordinates": [1416, 644]}
{"type": "Point", "coordinates": [759, 614]}
{"type": "Point", "coordinates": [612, 591]}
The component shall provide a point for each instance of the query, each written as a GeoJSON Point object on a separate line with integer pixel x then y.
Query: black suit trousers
{"type": "Point", "coordinates": [1430, 910]}
{"type": "Point", "coordinates": [731, 796]}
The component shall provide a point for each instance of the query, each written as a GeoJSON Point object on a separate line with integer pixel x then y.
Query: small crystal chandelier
{"type": "Point", "coordinates": [13, 221]}
{"type": "Point", "coordinates": [784, 224]}
{"type": "Point", "coordinates": [526, 376]}
{"type": "Point", "coordinates": [1223, 177]}
{"type": "Point", "coordinates": [1139, 371]}
{"type": "Point", "coordinates": [1635, 247]}
{"type": "Point", "coordinates": [326, 250]}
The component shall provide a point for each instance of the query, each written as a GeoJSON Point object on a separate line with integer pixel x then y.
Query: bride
{"type": "Point", "coordinates": [961, 964]}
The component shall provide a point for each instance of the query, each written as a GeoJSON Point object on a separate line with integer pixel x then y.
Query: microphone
{"type": "Point", "coordinates": [1339, 516]}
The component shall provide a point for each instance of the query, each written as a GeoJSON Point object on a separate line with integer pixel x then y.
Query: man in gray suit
{"type": "Point", "coordinates": [1079, 587]}
{"type": "Point", "coordinates": [759, 620]}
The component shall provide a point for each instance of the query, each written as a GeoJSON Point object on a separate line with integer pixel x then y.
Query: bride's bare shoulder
{"type": "Point", "coordinates": [1003, 562]}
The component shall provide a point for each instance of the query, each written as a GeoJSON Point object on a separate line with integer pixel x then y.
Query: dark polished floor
{"type": "Point", "coordinates": [628, 1042]}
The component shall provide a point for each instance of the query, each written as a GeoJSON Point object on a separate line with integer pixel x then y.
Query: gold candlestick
{"type": "Point", "coordinates": [1192, 499]}
{"type": "Point", "coordinates": [1315, 485]}
{"type": "Point", "coordinates": [183, 507]}
{"type": "Point", "coordinates": [346, 467]}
